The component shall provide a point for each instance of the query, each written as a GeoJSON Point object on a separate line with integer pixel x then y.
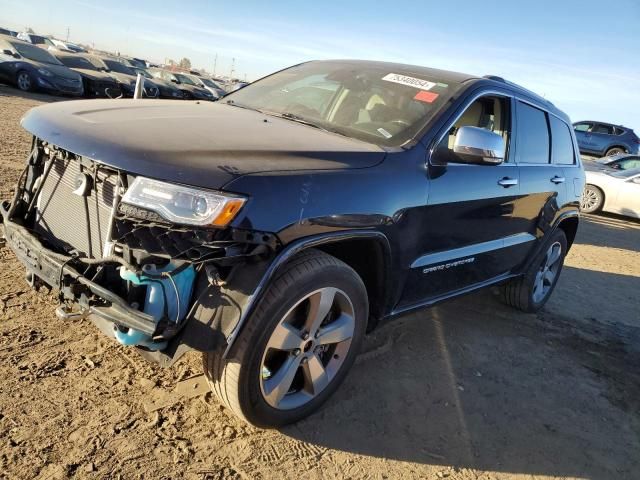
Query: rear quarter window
{"type": "Point", "coordinates": [533, 135]}
{"type": "Point", "coordinates": [561, 142]}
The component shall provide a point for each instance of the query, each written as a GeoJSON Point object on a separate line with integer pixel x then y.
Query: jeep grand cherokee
{"type": "Point", "coordinates": [271, 230]}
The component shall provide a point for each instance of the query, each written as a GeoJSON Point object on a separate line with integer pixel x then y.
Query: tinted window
{"type": "Point", "coordinates": [36, 54]}
{"type": "Point", "coordinates": [118, 67]}
{"type": "Point", "coordinates": [77, 62]}
{"type": "Point", "coordinates": [533, 135]}
{"type": "Point", "coordinates": [582, 127]}
{"type": "Point", "coordinates": [606, 129]}
{"type": "Point", "coordinates": [619, 131]}
{"type": "Point", "coordinates": [561, 142]}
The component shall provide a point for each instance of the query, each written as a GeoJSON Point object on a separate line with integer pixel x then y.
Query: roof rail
{"type": "Point", "coordinates": [495, 77]}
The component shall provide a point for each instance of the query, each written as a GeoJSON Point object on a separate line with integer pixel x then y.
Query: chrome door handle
{"type": "Point", "coordinates": [507, 182]}
{"type": "Point", "coordinates": [557, 179]}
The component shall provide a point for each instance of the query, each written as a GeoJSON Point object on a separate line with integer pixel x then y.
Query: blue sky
{"type": "Point", "coordinates": [583, 57]}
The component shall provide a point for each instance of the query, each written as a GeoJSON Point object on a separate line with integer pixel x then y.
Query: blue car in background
{"type": "Point", "coordinates": [605, 139]}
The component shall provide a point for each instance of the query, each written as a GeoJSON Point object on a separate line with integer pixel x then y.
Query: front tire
{"type": "Point", "coordinates": [297, 346]}
{"type": "Point", "coordinates": [592, 199]}
{"type": "Point", "coordinates": [530, 292]}
{"type": "Point", "coordinates": [24, 81]}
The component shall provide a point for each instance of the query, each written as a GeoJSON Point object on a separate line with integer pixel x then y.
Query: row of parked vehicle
{"type": "Point", "coordinates": [35, 63]}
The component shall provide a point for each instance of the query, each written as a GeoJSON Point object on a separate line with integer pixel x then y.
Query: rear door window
{"type": "Point", "coordinates": [561, 142]}
{"type": "Point", "coordinates": [605, 129]}
{"type": "Point", "coordinates": [533, 135]}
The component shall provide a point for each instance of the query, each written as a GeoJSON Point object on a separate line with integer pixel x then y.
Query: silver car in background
{"type": "Point", "coordinates": [612, 191]}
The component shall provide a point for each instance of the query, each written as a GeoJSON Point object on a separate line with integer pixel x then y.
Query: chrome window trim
{"type": "Point", "coordinates": [512, 96]}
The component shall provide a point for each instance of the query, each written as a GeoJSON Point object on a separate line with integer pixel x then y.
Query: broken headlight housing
{"type": "Point", "coordinates": [184, 205]}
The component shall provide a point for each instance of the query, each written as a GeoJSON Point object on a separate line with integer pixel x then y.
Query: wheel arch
{"type": "Point", "coordinates": [339, 244]}
{"type": "Point", "coordinates": [569, 226]}
{"type": "Point", "coordinates": [615, 145]}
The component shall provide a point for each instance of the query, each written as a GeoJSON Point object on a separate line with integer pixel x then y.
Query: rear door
{"type": "Point", "coordinates": [542, 184]}
{"type": "Point", "coordinates": [601, 137]}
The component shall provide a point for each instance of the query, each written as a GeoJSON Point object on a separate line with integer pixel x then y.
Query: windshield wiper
{"type": "Point", "coordinates": [304, 121]}
{"type": "Point", "coordinates": [239, 105]}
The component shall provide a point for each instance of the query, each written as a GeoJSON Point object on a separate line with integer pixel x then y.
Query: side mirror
{"type": "Point", "coordinates": [479, 146]}
{"type": "Point", "coordinates": [175, 80]}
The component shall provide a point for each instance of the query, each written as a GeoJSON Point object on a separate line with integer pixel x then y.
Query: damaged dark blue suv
{"type": "Point", "coordinates": [271, 230]}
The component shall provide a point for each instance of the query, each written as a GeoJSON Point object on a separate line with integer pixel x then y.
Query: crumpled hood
{"type": "Point", "coordinates": [195, 143]}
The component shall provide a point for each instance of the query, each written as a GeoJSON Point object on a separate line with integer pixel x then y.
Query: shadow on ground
{"type": "Point", "coordinates": [474, 384]}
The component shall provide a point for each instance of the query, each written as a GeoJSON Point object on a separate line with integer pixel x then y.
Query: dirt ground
{"type": "Point", "coordinates": [467, 390]}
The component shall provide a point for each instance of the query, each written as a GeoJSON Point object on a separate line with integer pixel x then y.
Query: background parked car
{"type": "Point", "coordinates": [38, 40]}
{"type": "Point", "coordinates": [605, 139]}
{"type": "Point", "coordinates": [11, 33]}
{"type": "Point", "coordinates": [31, 68]}
{"type": "Point", "coordinates": [184, 83]}
{"type": "Point", "coordinates": [96, 83]}
{"type": "Point", "coordinates": [124, 75]}
{"type": "Point", "coordinates": [216, 90]}
{"type": "Point", "coordinates": [619, 162]}
{"type": "Point", "coordinates": [612, 191]}
{"type": "Point", "coordinates": [166, 89]}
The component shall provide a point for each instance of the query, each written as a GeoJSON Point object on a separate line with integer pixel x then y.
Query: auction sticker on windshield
{"type": "Point", "coordinates": [409, 81]}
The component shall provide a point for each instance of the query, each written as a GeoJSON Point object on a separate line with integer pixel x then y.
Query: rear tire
{"type": "Point", "coordinates": [284, 364]}
{"type": "Point", "coordinates": [24, 81]}
{"type": "Point", "coordinates": [614, 151]}
{"type": "Point", "coordinates": [530, 292]}
{"type": "Point", "coordinates": [592, 199]}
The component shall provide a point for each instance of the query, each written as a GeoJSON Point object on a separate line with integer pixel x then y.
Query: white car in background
{"type": "Point", "coordinates": [612, 191]}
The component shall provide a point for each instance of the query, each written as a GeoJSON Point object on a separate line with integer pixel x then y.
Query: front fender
{"type": "Point", "coordinates": [220, 311]}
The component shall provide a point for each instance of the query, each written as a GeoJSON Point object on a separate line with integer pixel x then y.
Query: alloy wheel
{"type": "Point", "coordinates": [590, 200]}
{"type": "Point", "coordinates": [547, 273]}
{"type": "Point", "coordinates": [307, 348]}
{"type": "Point", "coordinates": [24, 81]}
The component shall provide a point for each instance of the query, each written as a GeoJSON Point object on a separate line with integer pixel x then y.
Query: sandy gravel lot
{"type": "Point", "coordinates": [466, 390]}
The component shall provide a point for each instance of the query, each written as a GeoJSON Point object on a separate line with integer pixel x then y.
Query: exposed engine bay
{"type": "Point", "coordinates": [127, 267]}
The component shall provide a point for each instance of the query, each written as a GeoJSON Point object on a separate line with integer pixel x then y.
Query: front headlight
{"type": "Point", "coordinates": [45, 72]}
{"type": "Point", "coordinates": [185, 205]}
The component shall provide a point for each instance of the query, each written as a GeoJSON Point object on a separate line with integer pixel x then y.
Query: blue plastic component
{"type": "Point", "coordinates": [171, 292]}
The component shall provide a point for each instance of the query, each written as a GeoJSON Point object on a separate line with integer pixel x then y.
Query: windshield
{"type": "Point", "coordinates": [116, 66]}
{"type": "Point", "coordinates": [626, 173]}
{"type": "Point", "coordinates": [35, 53]}
{"type": "Point", "coordinates": [77, 62]}
{"type": "Point", "coordinates": [370, 102]}
{"type": "Point", "coordinates": [210, 83]}
{"type": "Point", "coordinates": [38, 40]}
{"type": "Point", "coordinates": [144, 73]}
{"type": "Point", "coordinates": [184, 79]}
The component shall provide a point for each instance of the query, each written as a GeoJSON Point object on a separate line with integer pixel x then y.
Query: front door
{"type": "Point", "coordinates": [468, 232]}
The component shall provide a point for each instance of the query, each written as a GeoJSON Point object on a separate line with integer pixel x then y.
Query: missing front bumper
{"type": "Point", "coordinates": [54, 269]}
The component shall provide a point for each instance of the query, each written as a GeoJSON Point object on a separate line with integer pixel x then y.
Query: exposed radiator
{"type": "Point", "coordinates": [71, 221]}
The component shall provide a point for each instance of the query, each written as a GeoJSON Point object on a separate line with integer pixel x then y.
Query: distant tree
{"type": "Point", "coordinates": [171, 62]}
{"type": "Point", "coordinates": [30, 30]}
{"type": "Point", "coordinates": [185, 63]}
